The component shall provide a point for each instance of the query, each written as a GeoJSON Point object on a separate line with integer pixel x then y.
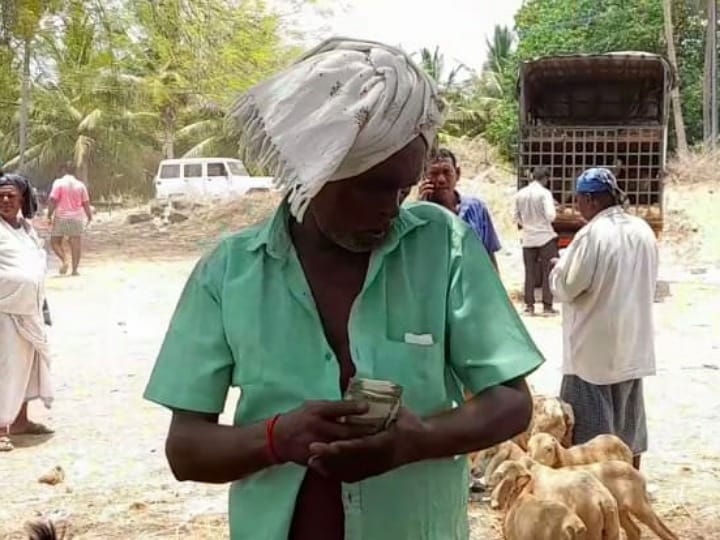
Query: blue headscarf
{"type": "Point", "coordinates": [23, 185]}
{"type": "Point", "coordinates": [599, 180]}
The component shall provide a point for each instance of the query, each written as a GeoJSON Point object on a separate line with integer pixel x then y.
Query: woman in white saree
{"type": "Point", "coordinates": [24, 354]}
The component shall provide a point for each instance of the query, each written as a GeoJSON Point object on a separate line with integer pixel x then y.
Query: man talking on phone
{"type": "Point", "coordinates": [440, 187]}
{"type": "Point", "coordinates": [342, 283]}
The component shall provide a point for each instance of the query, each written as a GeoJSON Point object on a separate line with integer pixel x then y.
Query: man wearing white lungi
{"type": "Point", "coordinates": [24, 355]}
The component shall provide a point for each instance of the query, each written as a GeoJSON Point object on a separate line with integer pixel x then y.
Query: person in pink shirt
{"type": "Point", "coordinates": [68, 208]}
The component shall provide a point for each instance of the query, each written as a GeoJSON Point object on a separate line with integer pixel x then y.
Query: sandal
{"type": "Point", "coordinates": [6, 444]}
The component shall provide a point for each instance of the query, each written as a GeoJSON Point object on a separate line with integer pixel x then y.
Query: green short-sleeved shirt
{"type": "Point", "coordinates": [247, 318]}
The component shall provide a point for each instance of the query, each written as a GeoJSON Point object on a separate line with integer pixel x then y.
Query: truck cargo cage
{"type": "Point", "coordinates": [584, 111]}
{"type": "Point", "coordinates": [635, 155]}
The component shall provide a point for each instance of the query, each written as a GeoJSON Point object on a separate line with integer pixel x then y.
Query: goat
{"type": "Point", "coordinates": [507, 451]}
{"type": "Point", "coordinates": [553, 416]}
{"type": "Point", "coordinates": [580, 491]}
{"type": "Point", "coordinates": [546, 449]}
{"type": "Point", "coordinates": [550, 415]}
{"type": "Point", "coordinates": [530, 518]}
{"type": "Point", "coordinates": [628, 487]}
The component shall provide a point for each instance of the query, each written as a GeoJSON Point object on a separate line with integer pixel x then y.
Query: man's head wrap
{"type": "Point", "coordinates": [599, 180]}
{"type": "Point", "coordinates": [343, 108]}
{"type": "Point", "coordinates": [29, 198]}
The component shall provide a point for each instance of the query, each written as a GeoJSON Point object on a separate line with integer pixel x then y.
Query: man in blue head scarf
{"type": "Point", "coordinates": [606, 282]}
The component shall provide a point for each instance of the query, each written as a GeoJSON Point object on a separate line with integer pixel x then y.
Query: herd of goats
{"type": "Point", "coordinates": [551, 490]}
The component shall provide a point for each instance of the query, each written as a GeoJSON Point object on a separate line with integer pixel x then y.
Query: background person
{"type": "Point", "coordinates": [440, 187]}
{"type": "Point", "coordinates": [68, 208]}
{"type": "Point", "coordinates": [606, 280]}
{"type": "Point", "coordinates": [24, 352]}
{"type": "Point", "coordinates": [534, 214]}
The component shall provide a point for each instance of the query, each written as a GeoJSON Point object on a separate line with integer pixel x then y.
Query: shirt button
{"type": "Point", "coordinates": [328, 356]}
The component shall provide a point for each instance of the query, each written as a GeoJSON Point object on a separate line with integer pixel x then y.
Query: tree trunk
{"type": "Point", "coordinates": [707, 83]}
{"type": "Point", "coordinates": [24, 101]}
{"type": "Point", "coordinates": [675, 94]}
{"type": "Point", "coordinates": [713, 73]}
{"type": "Point", "coordinates": [83, 171]}
{"type": "Point", "coordinates": [168, 121]}
{"type": "Point", "coordinates": [168, 147]}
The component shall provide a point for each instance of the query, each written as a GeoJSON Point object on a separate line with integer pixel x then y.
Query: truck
{"type": "Point", "coordinates": [601, 110]}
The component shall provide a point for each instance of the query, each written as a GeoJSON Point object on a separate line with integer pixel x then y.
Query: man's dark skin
{"type": "Point", "coordinates": [344, 223]}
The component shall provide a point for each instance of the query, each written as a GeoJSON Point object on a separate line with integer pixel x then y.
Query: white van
{"type": "Point", "coordinates": [206, 177]}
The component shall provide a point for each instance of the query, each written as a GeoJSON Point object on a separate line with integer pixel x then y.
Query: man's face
{"type": "Point", "coordinates": [10, 202]}
{"type": "Point", "coordinates": [443, 175]}
{"type": "Point", "coordinates": [587, 206]}
{"type": "Point", "coordinates": [357, 213]}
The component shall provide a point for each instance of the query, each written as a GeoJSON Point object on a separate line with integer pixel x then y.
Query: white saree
{"type": "Point", "coordinates": [24, 352]}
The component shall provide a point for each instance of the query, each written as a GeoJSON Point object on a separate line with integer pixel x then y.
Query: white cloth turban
{"type": "Point", "coordinates": [343, 108]}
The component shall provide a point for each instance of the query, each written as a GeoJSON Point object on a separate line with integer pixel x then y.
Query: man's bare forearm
{"type": "Point", "coordinates": [487, 419]}
{"type": "Point", "coordinates": [201, 450]}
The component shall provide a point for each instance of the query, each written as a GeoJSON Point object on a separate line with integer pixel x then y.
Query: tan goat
{"type": "Point", "coordinates": [580, 491]}
{"type": "Point", "coordinates": [507, 451]}
{"type": "Point", "coordinates": [546, 449]}
{"type": "Point", "coordinates": [628, 487]}
{"type": "Point", "coordinates": [530, 518]}
{"type": "Point", "coordinates": [550, 415]}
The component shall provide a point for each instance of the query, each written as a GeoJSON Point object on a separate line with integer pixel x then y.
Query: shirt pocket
{"type": "Point", "coordinates": [419, 369]}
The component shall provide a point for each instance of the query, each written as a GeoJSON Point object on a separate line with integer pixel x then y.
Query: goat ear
{"type": "Point", "coordinates": [523, 480]}
{"type": "Point", "coordinates": [499, 497]}
{"type": "Point", "coordinates": [556, 452]}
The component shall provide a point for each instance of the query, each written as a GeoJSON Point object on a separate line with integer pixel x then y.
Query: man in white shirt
{"type": "Point", "coordinates": [534, 215]}
{"type": "Point", "coordinates": [606, 281]}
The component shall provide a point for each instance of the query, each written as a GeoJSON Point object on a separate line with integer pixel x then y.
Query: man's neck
{"type": "Point", "coordinates": [449, 200]}
{"type": "Point", "coordinates": [15, 223]}
{"type": "Point", "coordinates": [309, 240]}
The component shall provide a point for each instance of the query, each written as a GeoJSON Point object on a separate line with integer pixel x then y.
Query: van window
{"type": "Point", "coordinates": [193, 170]}
{"type": "Point", "coordinates": [237, 169]}
{"type": "Point", "coordinates": [170, 171]}
{"type": "Point", "coordinates": [216, 169]}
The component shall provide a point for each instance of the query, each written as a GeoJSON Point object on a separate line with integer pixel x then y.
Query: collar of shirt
{"type": "Point", "coordinates": [274, 236]}
{"type": "Point", "coordinates": [612, 211]}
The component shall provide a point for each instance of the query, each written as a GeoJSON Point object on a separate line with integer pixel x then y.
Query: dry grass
{"type": "Point", "coordinates": [152, 240]}
{"type": "Point", "coordinates": [694, 167]}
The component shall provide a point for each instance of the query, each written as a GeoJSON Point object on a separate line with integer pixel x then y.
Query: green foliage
{"type": "Point", "coordinates": [118, 85]}
{"type": "Point", "coordinates": [473, 102]}
{"type": "Point", "coordinates": [551, 27]}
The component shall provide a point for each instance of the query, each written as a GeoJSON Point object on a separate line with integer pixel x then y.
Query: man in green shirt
{"type": "Point", "coordinates": [342, 282]}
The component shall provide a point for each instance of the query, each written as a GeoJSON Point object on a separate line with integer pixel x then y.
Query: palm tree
{"type": "Point", "coordinates": [87, 110]}
{"type": "Point", "coordinates": [499, 49]}
{"type": "Point", "coordinates": [206, 133]}
{"type": "Point", "coordinates": [433, 63]}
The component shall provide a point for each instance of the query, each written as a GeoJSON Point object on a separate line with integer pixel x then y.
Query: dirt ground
{"type": "Point", "coordinates": [110, 321]}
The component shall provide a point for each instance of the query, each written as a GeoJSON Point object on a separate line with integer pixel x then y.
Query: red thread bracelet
{"type": "Point", "coordinates": [269, 439]}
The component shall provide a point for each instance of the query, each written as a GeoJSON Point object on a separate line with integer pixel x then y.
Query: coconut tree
{"type": "Point", "coordinates": [499, 49]}
{"type": "Point", "coordinates": [85, 111]}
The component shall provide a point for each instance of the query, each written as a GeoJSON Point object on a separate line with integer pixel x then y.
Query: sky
{"type": "Point", "coordinates": [458, 27]}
